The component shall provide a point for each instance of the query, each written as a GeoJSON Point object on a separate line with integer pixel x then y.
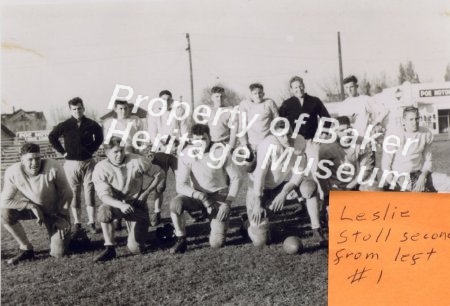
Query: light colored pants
{"type": "Point", "coordinates": [79, 173]}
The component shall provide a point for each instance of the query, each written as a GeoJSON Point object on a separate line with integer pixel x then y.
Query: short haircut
{"type": "Point", "coordinates": [120, 102]}
{"type": "Point", "coordinates": [350, 79]}
{"type": "Point", "coordinates": [295, 78]}
{"type": "Point", "coordinates": [29, 147]}
{"type": "Point", "coordinates": [410, 109]}
{"type": "Point", "coordinates": [200, 129]}
{"type": "Point", "coordinates": [113, 142]}
{"type": "Point", "coordinates": [343, 120]}
{"type": "Point", "coordinates": [254, 86]}
{"type": "Point", "coordinates": [165, 92]}
{"type": "Point", "coordinates": [75, 101]}
{"type": "Point", "coordinates": [217, 89]}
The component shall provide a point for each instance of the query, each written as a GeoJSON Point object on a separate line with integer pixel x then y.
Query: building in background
{"type": "Point", "coordinates": [21, 120]}
{"type": "Point", "coordinates": [432, 99]}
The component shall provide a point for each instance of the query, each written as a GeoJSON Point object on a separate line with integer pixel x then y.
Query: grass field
{"type": "Point", "coordinates": [236, 274]}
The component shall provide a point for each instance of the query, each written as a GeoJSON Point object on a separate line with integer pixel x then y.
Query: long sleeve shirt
{"type": "Point", "coordinates": [362, 111]}
{"type": "Point", "coordinates": [292, 109]}
{"type": "Point", "coordinates": [121, 125]}
{"type": "Point", "coordinates": [49, 188]}
{"type": "Point", "coordinates": [124, 181]}
{"type": "Point", "coordinates": [417, 157]}
{"type": "Point", "coordinates": [271, 176]}
{"type": "Point", "coordinates": [194, 174]}
{"type": "Point", "coordinates": [159, 125]}
{"type": "Point", "coordinates": [355, 156]}
{"type": "Point", "coordinates": [80, 142]}
{"type": "Point", "coordinates": [267, 111]}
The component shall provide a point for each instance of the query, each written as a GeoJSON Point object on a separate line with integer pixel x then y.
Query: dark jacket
{"type": "Point", "coordinates": [291, 110]}
{"type": "Point", "coordinates": [80, 143]}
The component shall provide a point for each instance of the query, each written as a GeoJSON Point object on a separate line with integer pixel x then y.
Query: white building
{"type": "Point", "coordinates": [432, 99]}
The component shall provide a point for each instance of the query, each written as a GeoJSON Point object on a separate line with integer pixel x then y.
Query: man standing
{"type": "Point", "coordinates": [361, 109]}
{"type": "Point", "coordinates": [82, 138]}
{"type": "Point", "coordinates": [271, 182]}
{"type": "Point", "coordinates": [166, 130]}
{"type": "Point", "coordinates": [220, 129]}
{"type": "Point", "coordinates": [414, 156]}
{"type": "Point", "coordinates": [36, 189]}
{"type": "Point", "coordinates": [302, 103]}
{"type": "Point", "coordinates": [199, 186]}
{"type": "Point", "coordinates": [121, 119]}
{"type": "Point", "coordinates": [303, 107]}
{"type": "Point", "coordinates": [119, 181]}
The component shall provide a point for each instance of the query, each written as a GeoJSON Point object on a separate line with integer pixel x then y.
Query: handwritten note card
{"type": "Point", "coordinates": [389, 248]}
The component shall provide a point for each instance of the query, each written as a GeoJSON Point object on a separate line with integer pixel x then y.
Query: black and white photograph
{"type": "Point", "coordinates": [188, 152]}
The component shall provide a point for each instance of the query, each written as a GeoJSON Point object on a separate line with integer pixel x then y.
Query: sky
{"type": "Point", "coordinates": [53, 51]}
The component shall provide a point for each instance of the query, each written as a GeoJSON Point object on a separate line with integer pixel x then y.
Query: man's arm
{"type": "Point", "coordinates": [183, 185]}
{"type": "Point", "coordinates": [105, 191]}
{"type": "Point", "coordinates": [259, 177]}
{"type": "Point", "coordinates": [64, 191]}
{"type": "Point", "coordinates": [97, 132]}
{"type": "Point", "coordinates": [427, 164]}
{"type": "Point", "coordinates": [54, 136]}
{"type": "Point", "coordinates": [377, 110]}
{"type": "Point", "coordinates": [235, 180]}
{"type": "Point", "coordinates": [243, 122]}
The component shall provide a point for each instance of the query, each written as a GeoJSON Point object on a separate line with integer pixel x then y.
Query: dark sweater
{"type": "Point", "coordinates": [80, 143]}
{"type": "Point", "coordinates": [291, 110]}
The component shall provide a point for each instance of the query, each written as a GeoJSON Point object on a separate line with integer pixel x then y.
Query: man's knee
{"type": "Point", "coordinates": [177, 205]}
{"type": "Point", "coordinates": [105, 214]}
{"type": "Point", "coordinates": [308, 189]}
{"type": "Point", "coordinates": [218, 233]}
{"type": "Point", "coordinates": [9, 216]}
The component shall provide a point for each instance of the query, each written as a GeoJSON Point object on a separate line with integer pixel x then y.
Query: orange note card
{"type": "Point", "coordinates": [389, 248]}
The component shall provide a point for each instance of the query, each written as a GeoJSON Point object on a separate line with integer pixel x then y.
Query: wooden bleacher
{"type": "Point", "coordinates": [10, 151]}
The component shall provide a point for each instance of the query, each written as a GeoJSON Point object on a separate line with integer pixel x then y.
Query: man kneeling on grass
{"type": "Point", "coordinates": [36, 189]}
{"type": "Point", "coordinates": [270, 184]}
{"type": "Point", "coordinates": [118, 181]}
{"type": "Point", "coordinates": [209, 188]}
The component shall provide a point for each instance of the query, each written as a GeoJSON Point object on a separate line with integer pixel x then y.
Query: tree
{"type": "Point", "coordinates": [232, 98]}
{"type": "Point", "coordinates": [447, 74]}
{"type": "Point", "coordinates": [407, 73]}
{"type": "Point", "coordinates": [331, 90]}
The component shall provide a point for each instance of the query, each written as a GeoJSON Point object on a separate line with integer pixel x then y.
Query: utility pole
{"type": "Point", "coordinates": [341, 74]}
{"type": "Point", "coordinates": [188, 49]}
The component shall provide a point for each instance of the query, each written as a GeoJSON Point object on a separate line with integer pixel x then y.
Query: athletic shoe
{"type": "Point", "coordinates": [155, 219]}
{"type": "Point", "coordinates": [107, 254]}
{"type": "Point", "coordinates": [180, 246]}
{"type": "Point", "coordinates": [93, 229]}
{"type": "Point", "coordinates": [23, 255]}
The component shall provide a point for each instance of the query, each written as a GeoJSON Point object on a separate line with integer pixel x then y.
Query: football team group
{"type": "Point", "coordinates": [42, 189]}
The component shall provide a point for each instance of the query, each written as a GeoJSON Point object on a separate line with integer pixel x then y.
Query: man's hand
{"type": "Point", "coordinates": [62, 226]}
{"type": "Point", "coordinates": [126, 208]}
{"type": "Point", "coordinates": [278, 202]}
{"type": "Point", "coordinates": [223, 212]}
{"type": "Point", "coordinates": [203, 197]}
{"type": "Point", "coordinates": [258, 213]}
{"type": "Point", "coordinates": [420, 183]}
{"type": "Point", "coordinates": [37, 212]}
